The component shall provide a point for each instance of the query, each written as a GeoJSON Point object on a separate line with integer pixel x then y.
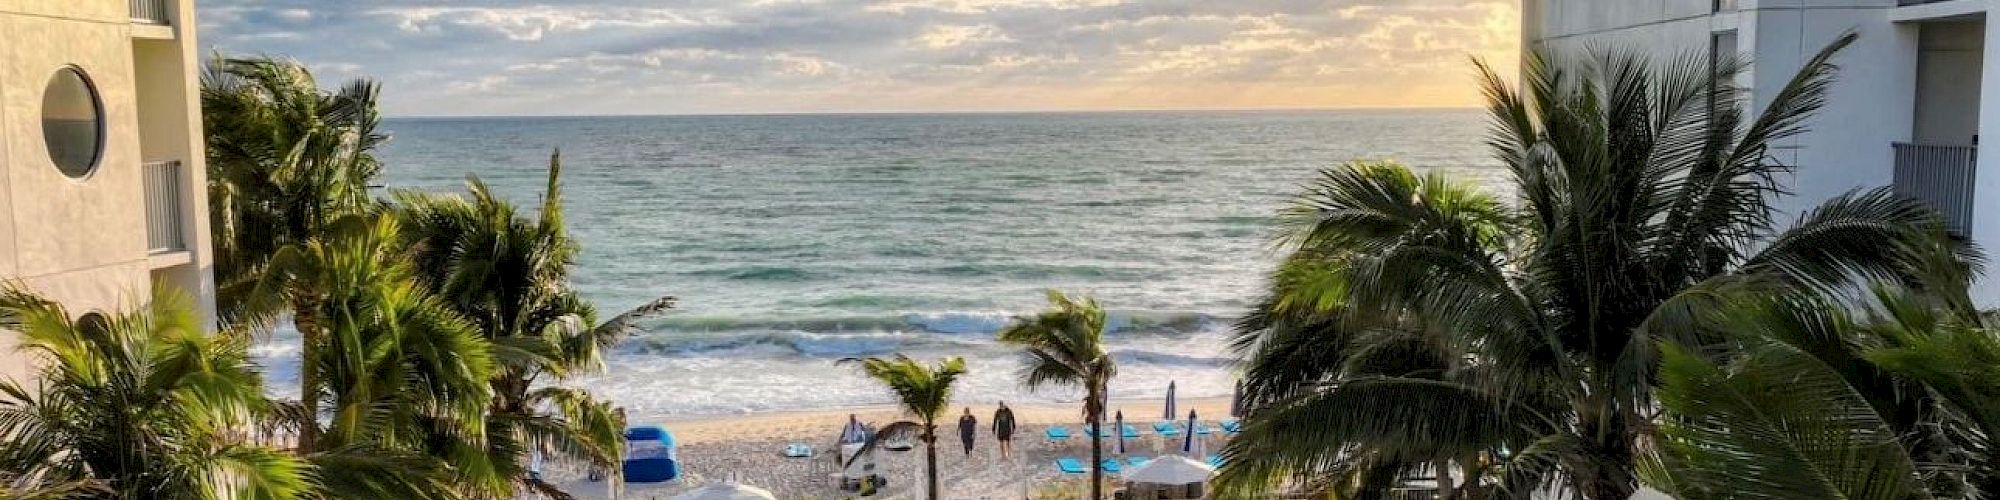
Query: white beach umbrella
{"type": "Point", "coordinates": [1171, 470]}
{"type": "Point", "coordinates": [727, 491]}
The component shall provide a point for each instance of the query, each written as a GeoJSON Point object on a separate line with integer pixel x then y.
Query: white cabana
{"type": "Point", "coordinates": [1168, 477]}
{"type": "Point", "coordinates": [727, 491]}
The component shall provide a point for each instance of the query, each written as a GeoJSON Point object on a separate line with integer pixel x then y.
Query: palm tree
{"type": "Point", "coordinates": [285, 161]}
{"type": "Point", "coordinates": [1064, 346]}
{"type": "Point", "coordinates": [1418, 321]}
{"type": "Point", "coordinates": [136, 405]}
{"type": "Point", "coordinates": [509, 275]}
{"type": "Point", "coordinates": [1811, 399]}
{"type": "Point", "coordinates": [924, 392]}
{"type": "Point", "coordinates": [404, 377]}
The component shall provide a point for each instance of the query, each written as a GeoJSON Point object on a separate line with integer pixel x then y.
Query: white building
{"type": "Point", "coordinates": [1906, 111]}
{"type": "Point", "coordinates": [102, 179]}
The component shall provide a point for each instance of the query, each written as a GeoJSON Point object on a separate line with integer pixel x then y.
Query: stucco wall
{"type": "Point", "coordinates": [82, 241]}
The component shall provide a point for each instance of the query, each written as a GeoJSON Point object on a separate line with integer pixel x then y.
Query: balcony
{"type": "Point", "coordinates": [165, 214]}
{"type": "Point", "coordinates": [1940, 176]}
{"type": "Point", "coordinates": [155, 12]}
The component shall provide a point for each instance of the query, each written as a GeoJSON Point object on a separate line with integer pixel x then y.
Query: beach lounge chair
{"type": "Point", "coordinates": [1215, 460]}
{"type": "Point", "coordinates": [1232, 426]}
{"type": "Point", "coordinates": [1111, 466]}
{"type": "Point", "coordinates": [798, 450]}
{"type": "Point", "coordinates": [1137, 460]}
{"type": "Point", "coordinates": [1070, 465]}
{"type": "Point", "coordinates": [1130, 431]}
{"type": "Point", "coordinates": [1167, 429]}
{"type": "Point", "coordinates": [1201, 429]}
{"type": "Point", "coordinates": [1057, 434]}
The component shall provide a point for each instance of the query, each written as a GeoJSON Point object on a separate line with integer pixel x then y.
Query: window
{"type": "Point", "coordinates": [1723, 6]}
{"type": "Point", "coordinates": [72, 123]}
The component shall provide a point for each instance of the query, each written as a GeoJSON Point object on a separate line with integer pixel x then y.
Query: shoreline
{"type": "Point", "coordinates": [748, 448]}
{"type": "Point", "coordinates": [691, 429]}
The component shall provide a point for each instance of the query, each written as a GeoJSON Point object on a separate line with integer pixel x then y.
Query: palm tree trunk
{"type": "Point", "coordinates": [304, 318]}
{"type": "Point", "coordinates": [930, 459]}
{"type": "Point", "coordinates": [1441, 470]}
{"type": "Point", "coordinates": [1096, 420]}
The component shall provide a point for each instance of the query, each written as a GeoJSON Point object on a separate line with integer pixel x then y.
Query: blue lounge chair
{"type": "Point", "coordinates": [1137, 460]}
{"type": "Point", "coordinates": [1215, 461]}
{"type": "Point", "coordinates": [1070, 465]}
{"type": "Point", "coordinates": [1201, 429]}
{"type": "Point", "coordinates": [1057, 433]}
{"type": "Point", "coordinates": [1110, 465]}
{"type": "Point", "coordinates": [1232, 426]}
{"type": "Point", "coordinates": [1167, 429]}
{"type": "Point", "coordinates": [1130, 431]}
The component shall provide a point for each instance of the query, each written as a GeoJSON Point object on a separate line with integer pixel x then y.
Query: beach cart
{"type": "Point", "coordinates": [650, 455]}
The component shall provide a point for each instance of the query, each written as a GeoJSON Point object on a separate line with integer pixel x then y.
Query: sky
{"type": "Point", "coordinates": [599, 57]}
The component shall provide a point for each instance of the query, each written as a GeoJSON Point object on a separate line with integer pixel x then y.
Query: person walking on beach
{"type": "Point", "coordinates": [1003, 430]}
{"type": "Point", "coordinates": [967, 427]}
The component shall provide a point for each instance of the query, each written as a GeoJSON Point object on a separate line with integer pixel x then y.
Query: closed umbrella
{"type": "Point", "coordinates": [1236, 400]}
{"type": "Point", "coordinates": [1188, 443]}
{"type": "Point", "coordinates": [1168, 416]}
{"type": "Point", "coordinates": [1119, 428]}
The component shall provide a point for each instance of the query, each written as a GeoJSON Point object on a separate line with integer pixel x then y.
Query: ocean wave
{"type": "Point", "coordinates": [1038, 271]}
{"type": "Point", "coordinates": [839, 345]}
{"type": "Point", "coordinates": [939, 322]}
{"type": "Point", "coordinates": [757, 273]}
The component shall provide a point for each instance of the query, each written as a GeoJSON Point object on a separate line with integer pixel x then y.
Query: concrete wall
{"type": "Point", "coordinates": [82, 241]}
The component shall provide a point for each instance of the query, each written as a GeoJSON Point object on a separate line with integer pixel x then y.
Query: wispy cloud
{"type": "Point", "coordinates": [651, 56]}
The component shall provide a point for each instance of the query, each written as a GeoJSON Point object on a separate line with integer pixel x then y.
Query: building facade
{"type": "Point", "coordinates": [102, 185]}
{"type": "Point", "coordinates": [1905, 112]}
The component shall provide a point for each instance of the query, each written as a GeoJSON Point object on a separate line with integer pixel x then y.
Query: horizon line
{"type": "Point", "coordinates": [1049, 111]}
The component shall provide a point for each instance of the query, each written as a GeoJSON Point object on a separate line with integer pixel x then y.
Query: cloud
{"type": "Point", "coordinates": [949, 36]}
{"type": "Point", "coordinates": [651, 56]}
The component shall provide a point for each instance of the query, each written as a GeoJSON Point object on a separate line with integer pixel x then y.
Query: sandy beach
{"type": "Point", "coordinates": [748, 448]}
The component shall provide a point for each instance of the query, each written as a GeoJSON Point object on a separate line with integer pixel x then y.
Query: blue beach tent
{"type": "Point", "coordinates": [650, 455]}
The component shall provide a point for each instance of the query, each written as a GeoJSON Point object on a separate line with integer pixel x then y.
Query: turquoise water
{"type": "Point", "coordinates": [794, 241]}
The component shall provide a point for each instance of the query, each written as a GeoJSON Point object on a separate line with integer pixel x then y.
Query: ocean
{"type": "Point", "coordinates": [793, 241]}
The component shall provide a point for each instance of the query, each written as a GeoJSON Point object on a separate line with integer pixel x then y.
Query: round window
{"type": "Point", "coordinates": [72, 122]}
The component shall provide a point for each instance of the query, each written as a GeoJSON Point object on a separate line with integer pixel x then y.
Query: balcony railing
{"type": "Point", "coordinates": [164, 210]}
{"type": "Point", "coordinates": [1941, 176]}
{"type": "Point", "coordinates": [1906, 3]}
{"type": "Point", "coordinates": [152, 11]}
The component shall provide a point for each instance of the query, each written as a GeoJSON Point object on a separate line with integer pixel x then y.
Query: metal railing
{"type": "Point", "coordinates": [152, 11]}
{"type": "Point", "coordinates": [165, 230]}
{"type": "Point", "coordinates": [1941, 176]}
{"type": "Point", "coordinates": [1906, 3]}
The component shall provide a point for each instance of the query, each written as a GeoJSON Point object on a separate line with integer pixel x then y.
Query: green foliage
{"type": "Point", "coordinates": [136, 405]}
{"type": "Point", "coordinates": [508, 274]}
{"type": "Point", "coordinates": [1064, 347]}
{"type": "Point", "coordinates": [1886, 396]}
{"type": "Point", "coordinates": [285, 159]}
{"type": "Point", "coordinates": [1417, 321]}
{"type": "Point", "coordinates": [923, 392]}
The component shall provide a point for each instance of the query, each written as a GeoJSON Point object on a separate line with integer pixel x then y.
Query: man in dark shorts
{"type": "Point", "coordinates": [967, 428]}
{"type": "Point", "coordinates": [1003, 429]}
